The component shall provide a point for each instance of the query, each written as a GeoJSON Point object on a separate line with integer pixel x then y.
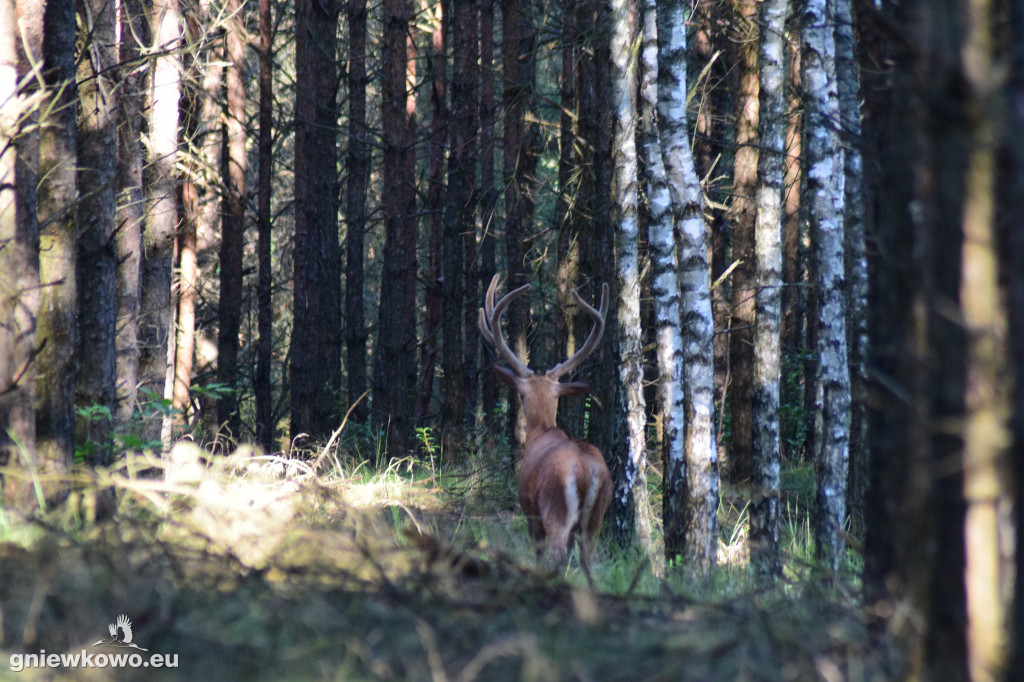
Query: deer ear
{"type": "Point", "coordinates": [573, 388]}
{"type": "Point", "coordinates": [507, 376]}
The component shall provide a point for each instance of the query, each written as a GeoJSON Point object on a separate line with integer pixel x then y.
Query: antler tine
{"type": "Point", "coordinates": [490, 325]}
{"type": "Point", "coordinates": [595, 333]}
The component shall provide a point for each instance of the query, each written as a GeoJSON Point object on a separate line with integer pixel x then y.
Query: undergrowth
{"type": "Point", "coordinates": [338, 562]}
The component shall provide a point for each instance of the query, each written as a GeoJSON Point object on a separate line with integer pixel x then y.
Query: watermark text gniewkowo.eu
{"type": "Point", "coordinates": [88, 659]}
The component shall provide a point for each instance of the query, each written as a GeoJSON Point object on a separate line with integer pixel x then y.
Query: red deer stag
{"type": "Point", "coordinates": [564, 484]}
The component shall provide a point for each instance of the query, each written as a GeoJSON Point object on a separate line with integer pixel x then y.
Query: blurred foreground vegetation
{"type": "Point", "coordinates": [324, 568]}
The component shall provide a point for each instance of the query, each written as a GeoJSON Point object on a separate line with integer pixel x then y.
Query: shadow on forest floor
{"type": "Point", "coordinates": [260, 571]}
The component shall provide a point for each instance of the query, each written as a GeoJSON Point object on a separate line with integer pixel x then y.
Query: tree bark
{"type": "Point", "coordinates": [691, 484]}
{"type": "Point", "coordinates": [316, 331]}
{"type": "Point", "coordinates": [986, 454]}
{"type": "Point", "coordinates": [57, 331]}
{"type": "Point", "coordinates": [20, 30]}
{"type": "Point", "coordinates": [518, 156]}
{"type": "Point", "coordinates": [232, 238]}
{"type": "Point", "coordinates": [826, 199]}
{"type": "Point", "coordinates": [131, 159]}
{"type": "Point", "coordinates": [743, 212]}
{"type": "Point", "coordinates": [459, 215]}
{"type": "Point", "coordinates": [664, 264]}
{"type": "Point", "coordinates": [156, 333]}
{"type": "Point", "coordinates": [1015, 270]}
{"type": "Point", "coordinates": [262, 385]}
{"type": "Point", "coordinates": [96, 217]}
{"type": "Point", "coordinates": [396, 336]}
{"type": "Point", "coordinates": [434, 208]}
{"type": "Point", "coordinates": [358, 164]}
{"type": "Point", "coordinates": [848, 76]}
{"type": "Point", "coordinates": [766, 458]}
{"type": "Point", "coordinates": [630, 510]}
{"type": "Point", "coordinates": [488, 195]}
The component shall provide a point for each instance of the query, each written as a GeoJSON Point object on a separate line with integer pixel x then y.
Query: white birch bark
{"type": "Point", "coordinates": [662, 243]}
{"type": "Point", "coordinates": [764, 503]}
{"type": "Point", "coordinates": [691, 485]}
{"type": "Point", "coordinates": [627, 239]}
{"type": "Point", "coordinates": [157, 333]}
{"type": "Point", "coordinates": [826, 199]}
{"type": "Point", "coordinates": [848, 75]}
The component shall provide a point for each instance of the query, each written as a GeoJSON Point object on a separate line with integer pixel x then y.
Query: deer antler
{"type": "Point", "coordinates": [490, 325]}
{"type": "Point", "coordinates": [595, 334]}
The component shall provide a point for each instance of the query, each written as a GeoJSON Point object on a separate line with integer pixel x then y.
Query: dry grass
{"type": "Point", "coordinates": [267, 568]}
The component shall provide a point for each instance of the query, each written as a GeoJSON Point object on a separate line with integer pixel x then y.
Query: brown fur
{"type": "Point", "coordinates": [551, 460]}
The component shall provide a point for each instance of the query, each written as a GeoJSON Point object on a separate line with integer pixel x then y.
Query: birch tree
{"type": "Point", "coordinates": [156, 333]}
{"type": "Point", "coordinates": [691, 483]}
{"type": "Point", "coordinates": [825, 189]}
{"type": "Point", "coordinates": [664, 264]}
{"type": "Point", "coordinates": [848, 76]}
{"type": "Point", "coordinates": [630, 484]}
{"type": "Point", "coordinates": [766, 460]}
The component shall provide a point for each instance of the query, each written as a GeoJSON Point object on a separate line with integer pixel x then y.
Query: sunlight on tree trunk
{"type": "Point", "coordinates": [19, 266]}
{"type": "Point", "coordinates": [986, 431]}
{"type": "Point", "coordinates": [157, 332]}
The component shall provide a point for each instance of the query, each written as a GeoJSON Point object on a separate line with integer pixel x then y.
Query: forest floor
{"type": "Point", "coordinates": [245, 568]}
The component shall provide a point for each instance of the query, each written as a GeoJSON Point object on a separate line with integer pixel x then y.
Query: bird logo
{"type": "Point", "coordinates": [120, 634]}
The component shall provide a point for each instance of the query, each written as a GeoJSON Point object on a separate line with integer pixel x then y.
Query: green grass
{"type": "Point", "coordinates": [419, 568]}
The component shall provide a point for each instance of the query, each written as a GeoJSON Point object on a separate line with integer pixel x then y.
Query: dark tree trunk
{"type": "Point", "coordinates": [743, 213]}
{"type": "Point", "coordinates": [396, 335]}
{"type": "Point", "coordinates": [232, 241]}
{"type": "Point", "coordinates": [594, 225]}
{"type": "Point", "coordinates": [358, 164]}
{"type": "Point", "coordinates": [1015, 270]}
{"type": "Point", "coordinates": [57, 332]}
{"type": "Point", "coordinates": [792, 261]}
{"type": "Point", "coordinates": [470, 252]}
{"type": "Point", "coordinates": [914, 505]}
{"type": "Point", "coordinates": [488, 196]}
{"type": "Point", "coordinates": [517, 57]}
{"type": "Point", "coordinates": [96, 219]}
{"type": "Point", "coordinates": [316, 332]}
{"type": "Point", "coordinates": [262, 386]}
{"type": "Point", "coordinates": [567, 332]}
{"type": "Point", "coordinates": [131, 157]}
{"type": "Point", "coordinates": [459, 214]}
{"type": "Point", "coordinates": [435, 201]}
